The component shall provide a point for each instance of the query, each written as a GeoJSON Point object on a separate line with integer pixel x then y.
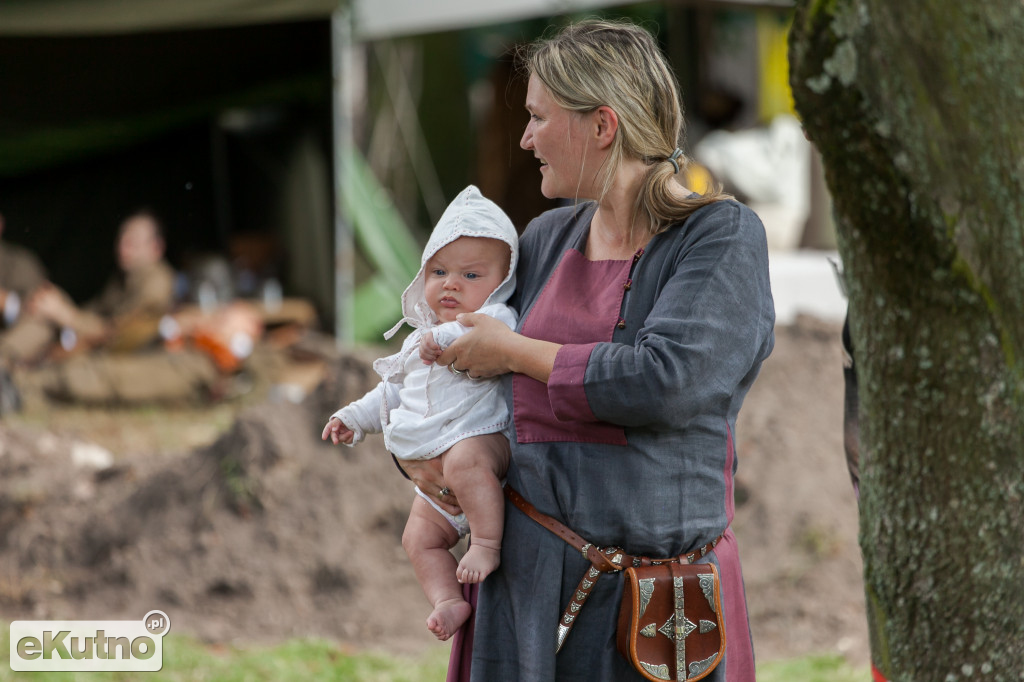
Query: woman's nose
{"type": "Point", "coordinates": [526, 141]}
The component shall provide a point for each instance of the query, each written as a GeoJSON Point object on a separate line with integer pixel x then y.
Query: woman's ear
{"type": "Point", "coordinates": [607, 125]}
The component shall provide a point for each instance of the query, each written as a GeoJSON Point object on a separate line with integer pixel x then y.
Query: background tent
{"type": "Point", "coordinates": [215, 114]}
{"type": "Point", "coordinates": [234, 119]}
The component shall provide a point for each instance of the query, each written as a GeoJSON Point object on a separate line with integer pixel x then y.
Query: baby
{"type": "Point", "coordinates": [426, 411]}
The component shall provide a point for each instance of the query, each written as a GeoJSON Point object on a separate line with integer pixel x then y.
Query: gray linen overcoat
{"type": "Point", "coordinates": [698, 322]}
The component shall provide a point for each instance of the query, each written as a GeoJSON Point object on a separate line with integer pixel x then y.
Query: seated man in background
{"type": "Point", "coordinates": [126, 315]}
{"type": "Point", "coordinates": [20, 275]}
{"type": "Point", "coordinates": [132, 345]}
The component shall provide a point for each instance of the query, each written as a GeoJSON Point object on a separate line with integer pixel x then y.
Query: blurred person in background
{"type": "Point", "coordinates": [21, 274]}
{"type": "Point", "coordinates": [75, 352]}
{"type": "Point", "coordinates": [126, 314]}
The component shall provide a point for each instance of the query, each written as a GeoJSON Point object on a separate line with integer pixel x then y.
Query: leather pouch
{"type": "Point", "coordinates": [670, 622]}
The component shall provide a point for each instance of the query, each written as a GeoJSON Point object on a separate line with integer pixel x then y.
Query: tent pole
{"type": "Point", "coordinates": [344, 140]}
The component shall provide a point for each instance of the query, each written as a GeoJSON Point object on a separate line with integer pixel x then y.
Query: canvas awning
{"type": "Point", "coordinates": [390, 18]}
{"type": "Point", "coordinates": [375, 19]}
{"type": "Point", "coordinates": [353, 21]}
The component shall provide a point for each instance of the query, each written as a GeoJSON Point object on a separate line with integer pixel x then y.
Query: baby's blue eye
{"type": "Point", "coordinates": [438, 272]}
{"type": "Point", "coordinates": [471, 275]}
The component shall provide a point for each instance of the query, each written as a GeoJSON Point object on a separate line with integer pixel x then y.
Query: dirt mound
{"type": "Point", "coordinates": [269, 533]}
{"type": "Point", "coordinates": [796, 518]}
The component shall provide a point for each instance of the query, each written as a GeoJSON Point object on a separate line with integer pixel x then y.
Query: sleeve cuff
{"type": "Point", "coordinates": [565, 385]}
{"type": "Point", "coordinates": [349, 419]}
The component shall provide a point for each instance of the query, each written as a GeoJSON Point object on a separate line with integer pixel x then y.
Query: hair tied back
{"type": "Point", "coordinates": [672, 159]}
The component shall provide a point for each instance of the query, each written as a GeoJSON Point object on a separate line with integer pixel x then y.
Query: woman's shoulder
{"type": "Point", "coordinates": [720, 227]}
{"type": "Point", "coordinates": [725, 210]}
{"type": "Point", "coordinates": [723, 218]}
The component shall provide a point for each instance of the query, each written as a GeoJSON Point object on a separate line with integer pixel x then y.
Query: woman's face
{"type": "Point", "coordinates": [557, 138]}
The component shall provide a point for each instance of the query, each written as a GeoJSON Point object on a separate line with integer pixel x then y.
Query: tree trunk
{"type": "Point", "coordinates": [918, 111]}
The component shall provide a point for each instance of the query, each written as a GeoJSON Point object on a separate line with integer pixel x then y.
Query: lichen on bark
{"type": "Point", "coordinates": [904, 103]}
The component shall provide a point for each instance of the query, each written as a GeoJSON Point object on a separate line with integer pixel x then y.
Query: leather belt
{"type": "Point", "coordinates": [602, 560]}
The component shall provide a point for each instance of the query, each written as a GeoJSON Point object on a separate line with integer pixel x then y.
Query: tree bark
{"type": "Point", "coordinates": [918, 111]}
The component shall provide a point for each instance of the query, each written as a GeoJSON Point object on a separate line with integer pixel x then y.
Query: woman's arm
{"type": "Point", "coordinates": [490, 349]}
{"type": "Point", "coordinates": [701, 340]}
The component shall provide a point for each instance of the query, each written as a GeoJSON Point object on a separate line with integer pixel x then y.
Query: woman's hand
{"type": "Point", "coordinates": [490, 349]}
{"type": "Point", "coordinates": [481, 352]}
{"type": "Point", "coordinates": [426, 474]}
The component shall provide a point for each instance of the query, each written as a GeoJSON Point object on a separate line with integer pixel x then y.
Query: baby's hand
{"type": "Point", "coordinates": [428, 349]}
{"type": "Point", "coordinates": [337, 432]}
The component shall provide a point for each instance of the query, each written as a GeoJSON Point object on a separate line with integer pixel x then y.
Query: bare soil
{"type": "Point", "coordinates": [265, 533]}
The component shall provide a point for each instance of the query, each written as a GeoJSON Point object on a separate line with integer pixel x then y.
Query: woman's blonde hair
{"type": "Point", "coordinates": [617, 64]}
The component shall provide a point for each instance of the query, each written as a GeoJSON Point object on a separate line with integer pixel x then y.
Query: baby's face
{"type": "Point", "coordinates": [462, 274]}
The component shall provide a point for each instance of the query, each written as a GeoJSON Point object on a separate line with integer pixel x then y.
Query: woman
{"type": "Point", "coordinates": [645, 315]}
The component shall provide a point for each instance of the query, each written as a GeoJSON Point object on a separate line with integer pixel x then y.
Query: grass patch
{"type": "Point", "coordinates": [186, 660]}
{"type": "Point", "coordinates": [300, 660]}
{"type": "Point", "coordinates": [820, 668]}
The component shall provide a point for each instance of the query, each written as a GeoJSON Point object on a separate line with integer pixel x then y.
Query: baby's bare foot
{"type": "Point", "coordinates": [447, 617]}
{"type": "Point", "coordinates": [478, 563]}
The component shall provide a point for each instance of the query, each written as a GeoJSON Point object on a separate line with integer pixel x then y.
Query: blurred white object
{"type": "Point", "coordinates": [241, 345]}
{"type": "Point", "coordinates": [287, 393]}
{"type": "Point", "coordinates": [68, 339]}
{"type": "Point", "coordinates": [272, 295]}
{"type": "Point", "coordinates": [12, 308]}
{"type": "Point", "coordinates": [804, 282]}
{"type": "Point", "coordinates": [837, 268]}
{"type": "Point", "coordinates": [770, 168]}
{"type": "Point", "coordinates": [169, 328]}
{"type": "Point", "coordinates": [91, 455]}
{"type": "Point", "coordinates": [207, 297]}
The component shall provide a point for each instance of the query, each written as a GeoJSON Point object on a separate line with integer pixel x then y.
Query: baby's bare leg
{"type": "Point", "coordinates": [427, 538]}
{"type": "Point", "coordinates": [474, 468]}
